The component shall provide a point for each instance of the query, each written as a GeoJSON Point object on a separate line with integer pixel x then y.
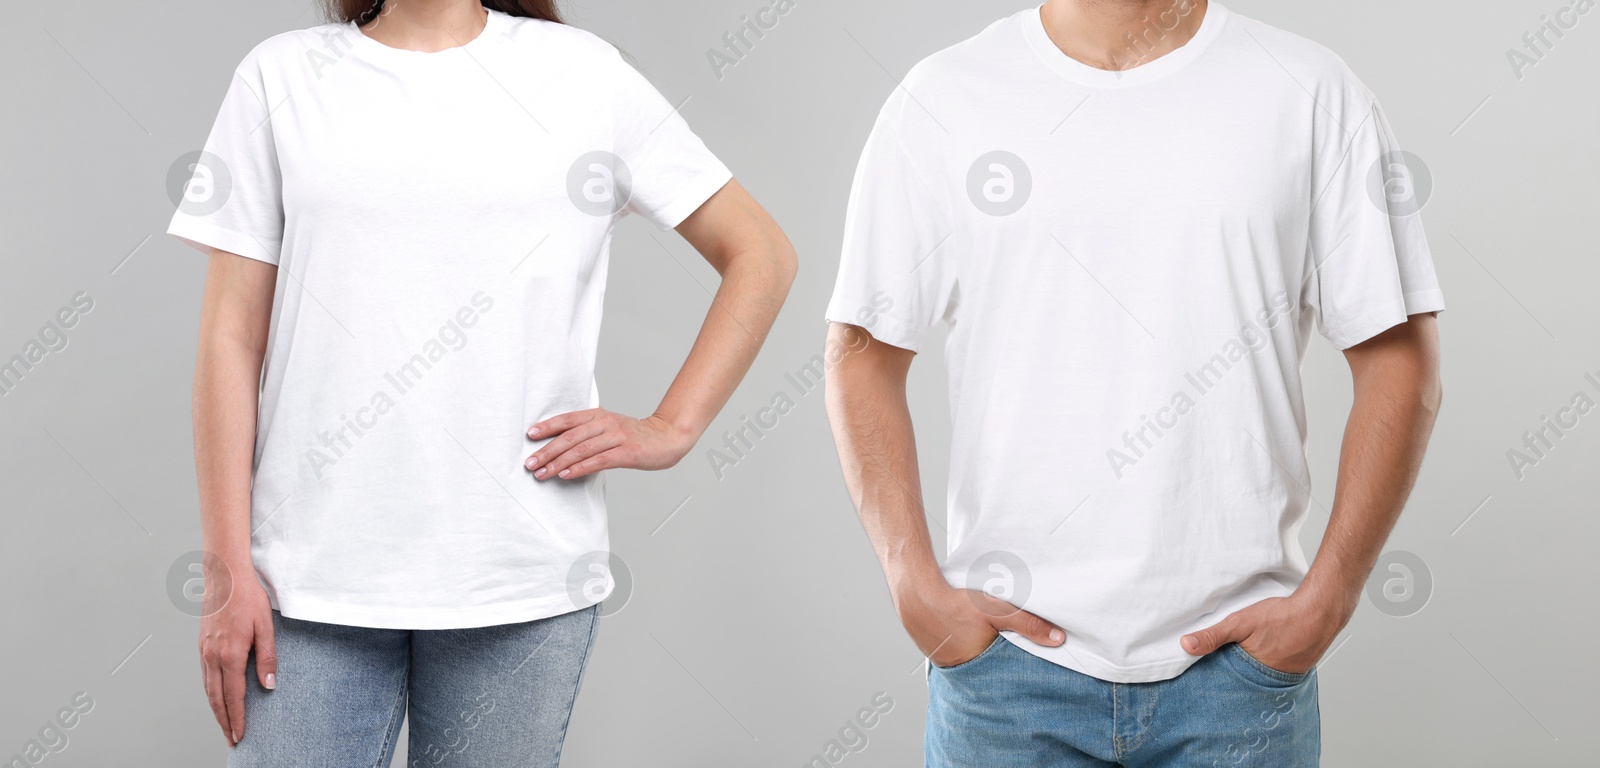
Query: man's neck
{"type": "Point", "coordinates": [1121, 34]}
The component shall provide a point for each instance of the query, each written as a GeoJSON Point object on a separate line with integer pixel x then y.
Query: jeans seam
{"type": "Point", "coordinates": [1146, 720]}
{"type": "Point", "coordinates": [992, 646]}
{"type": "Point", "coordinates": [386, 752]}
{"type": "Point", "coordinates": [594, 623]}
{"type": "Point", "coordinates": [1290, 678]}
{"type": "Point", "coordinates": [1116, 716]}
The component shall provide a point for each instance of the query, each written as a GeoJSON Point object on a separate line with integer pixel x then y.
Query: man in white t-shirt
{"type": "Point", "coordinates": [1130, 215]}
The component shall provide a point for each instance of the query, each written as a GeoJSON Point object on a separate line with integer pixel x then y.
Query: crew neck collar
{"type": "Point", "coordinates": [1211, 24]}
{"type": "Point", "coordinates": [495, 27]}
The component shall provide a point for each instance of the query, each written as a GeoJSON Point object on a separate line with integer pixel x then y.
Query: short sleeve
{"type": "Point", "coordinates": [671, 172]}
{"type": "Point", "coordinates": [897, 277]}
{"type": "Point", "coordinates": [1370, 263]}
{"type": "Point", "coordinates": [233, 199]}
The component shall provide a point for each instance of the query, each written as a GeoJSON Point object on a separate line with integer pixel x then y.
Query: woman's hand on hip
{"type": "Point", "coordinates": [227, 635]}
{"type": "Point", "coordinates": [585, 442]}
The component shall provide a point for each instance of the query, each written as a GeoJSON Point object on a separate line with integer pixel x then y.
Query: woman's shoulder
{"type": "Point", "coordinates": [310, 46]}
{"type": "Point", "coordinates": [563, 41]}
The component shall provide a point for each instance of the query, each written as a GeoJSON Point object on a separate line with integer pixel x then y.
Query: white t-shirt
{"type": "Point", "coordinates": [441, 225]}
{"type": "Point", "coordinates": [1130, 264]}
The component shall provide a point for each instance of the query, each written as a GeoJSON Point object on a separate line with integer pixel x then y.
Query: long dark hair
{"type": "Point", "coordinates": [363, 11]}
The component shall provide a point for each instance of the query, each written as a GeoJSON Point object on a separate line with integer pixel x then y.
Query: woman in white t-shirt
{"type": "Point", "coordinates": [398, 462]}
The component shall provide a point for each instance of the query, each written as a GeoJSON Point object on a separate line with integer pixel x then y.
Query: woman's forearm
{"type": "Point", "coordinates": [757, 265]}
{"type": "Point", "coordinates": [233, 323]}
{"type": "Point", "coordinates": [741, 314]}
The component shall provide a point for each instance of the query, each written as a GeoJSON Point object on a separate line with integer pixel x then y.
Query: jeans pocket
{"type": "Point", "coordinates": [998, 639]}
{"type": "Point", "coordinates": [1251, 668]}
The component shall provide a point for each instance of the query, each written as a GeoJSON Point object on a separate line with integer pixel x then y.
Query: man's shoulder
{"type": "Point", "coordinates": [973, 57]}
{"type": "Point", "coordinates": [1316, 67]}
{"type": "Point", "coordinates": [957, 75]}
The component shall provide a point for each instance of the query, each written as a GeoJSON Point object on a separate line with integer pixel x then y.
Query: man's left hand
{"type": "Point", "coordinates": [1288, 634]}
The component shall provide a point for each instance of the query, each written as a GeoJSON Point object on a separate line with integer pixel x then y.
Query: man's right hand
{"type": "Point", "coordinates": [866, 386]}
{"type": "Point", "coordinates": [227, 635]}
{"type": "Point", "coordinates": [952, 626]}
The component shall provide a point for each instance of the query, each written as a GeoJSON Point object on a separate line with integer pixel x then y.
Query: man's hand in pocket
{"type": "Point", "coordinates": [951, 626]}
{"type": "Point", "coordinates": [1288, 634]}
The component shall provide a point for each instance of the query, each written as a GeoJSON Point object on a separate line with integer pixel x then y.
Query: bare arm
{"type": "Point", "coordinates": [234, 317]}
{"type": "Point", "coordinates": [866, 399]}
{"type": "Point", "coordinates": [877, 451]}
{"type": "Point", "coordinates": [1397, 396]}
{"type": "Point", "coordinates": [757, 265]}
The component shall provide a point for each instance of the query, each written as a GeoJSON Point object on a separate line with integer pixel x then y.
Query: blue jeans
{"type": "Point", "coordinates": [1007, 708]}
{"type": "Point", "coordinates": [487, 696]}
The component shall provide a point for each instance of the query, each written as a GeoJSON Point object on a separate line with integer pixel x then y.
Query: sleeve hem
{"type": "Point", "coordinates": [1424, 301]}
{"type": "Point", "coordinates": [1365, 329]}
{"type": "Point", "coordinates": [695, 193]}
{"type": "Point", "coordinates": [885, 330]}
{"type": "Point", "coordinates": [202, 235]}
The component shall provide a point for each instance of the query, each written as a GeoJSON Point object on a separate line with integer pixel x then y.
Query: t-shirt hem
{"type": "Point", "coordinates": [346, 614]}
{"type": "Point", "coordinates": [696, 193]}
{"type": "Point", "coordinates": [202, 235]}
{"type": "Point", "coordinates": [1079, 661]}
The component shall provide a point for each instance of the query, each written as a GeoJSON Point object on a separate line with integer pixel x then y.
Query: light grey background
{"type": "Point", "coordinates": [759, 623]}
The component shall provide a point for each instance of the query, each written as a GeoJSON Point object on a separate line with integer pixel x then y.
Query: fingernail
{"type": "Point", "coordinates": [540, 471]}
{"type": "Point", "coordinates": [533, 432]}
{"type": "Point", "coordinates": [564, 472]}
{"type": "Point", "coordinates": [236, 737]}
{"type": "Point", "coordinates": [272, 680]}
{"type": "Point", "coordinates": [1056, 636]}
{"type": "Point", "coordinates": [1189, 642]}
